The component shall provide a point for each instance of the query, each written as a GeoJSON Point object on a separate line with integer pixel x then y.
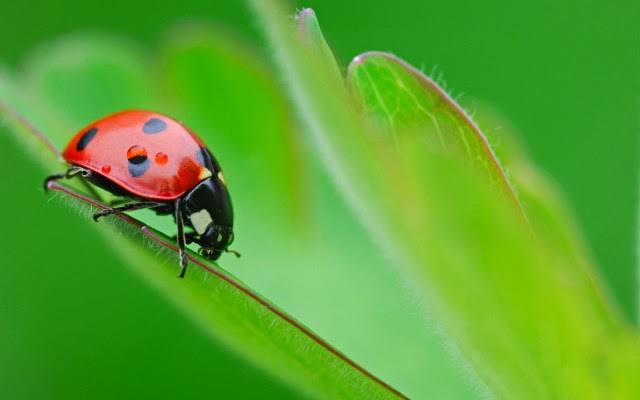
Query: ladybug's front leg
{"type": "Point", "coordinates": [191, 237]}
{"type": "Point", "coordinates": [181, 239]}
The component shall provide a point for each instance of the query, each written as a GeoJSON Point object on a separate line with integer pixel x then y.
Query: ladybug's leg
{"type": "Point", "coordinates": [52, 178]}
{"type": "Point", "coordinates": [126, 207]}
{"type": "Point", "coordinates": [181, 240]}
{"type": "Point", "coordinates": [71, 172]}
{"type": "Point", "coordinates": [191, 237]}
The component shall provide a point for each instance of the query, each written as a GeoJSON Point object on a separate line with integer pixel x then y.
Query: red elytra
{"type": "Point", "coordinates": [147, 153]}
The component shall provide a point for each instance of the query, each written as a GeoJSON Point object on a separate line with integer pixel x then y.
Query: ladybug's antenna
{"type": "Point", "coordinates": [233, 252]}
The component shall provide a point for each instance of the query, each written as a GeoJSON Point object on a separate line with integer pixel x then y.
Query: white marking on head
{"type": "Point", "coordinates": [204, 173]}
{"type": "Point", "coordinates": [200, 220]}
{"type": "Point", "coordinates": [221, 177]}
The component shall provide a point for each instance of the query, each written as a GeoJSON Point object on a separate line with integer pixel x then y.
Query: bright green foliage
{"type": "Point", "coordinates": [520, 308]}
{"type": "Point", "coordinates": [382, 82]}
{"type": "Point", "coordinates": [506, 278]}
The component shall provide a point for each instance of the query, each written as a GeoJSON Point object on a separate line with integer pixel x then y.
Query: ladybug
{"type": "Point", "coordinates": [161, 165]}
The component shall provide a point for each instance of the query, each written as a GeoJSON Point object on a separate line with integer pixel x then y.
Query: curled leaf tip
{"type": "Point", "coordinates": [303, 17]}
{"type": "Point", "coordinates": [306, 12]}
{"type": "Point", "coordinates": [362, 58]}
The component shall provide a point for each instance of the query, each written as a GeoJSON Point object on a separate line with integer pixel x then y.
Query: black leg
{"type": "Point", "coordinates": [126, 207]}
{"type": "Point", "coordinates": [181, 240]}
{"type": "Point", "coordinates": [189, 237]}
{"type": "Point", "coordinates": [71, 172]}
{"type": "Point", "coordinates": [52, 178]}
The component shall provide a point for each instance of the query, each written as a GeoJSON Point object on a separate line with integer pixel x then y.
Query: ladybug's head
{"type": "Point", "coordinates": [215, 240]}
{"type": "Point", "coordinates": [207, 208]}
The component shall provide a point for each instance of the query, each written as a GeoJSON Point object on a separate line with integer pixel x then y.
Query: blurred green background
{"type": "Point", "coordinates": [566, 74]}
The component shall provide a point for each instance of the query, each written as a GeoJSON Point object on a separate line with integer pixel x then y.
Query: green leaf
{"type": "Point", "coordinates": [225, 308]}
{"type": "Point", "coordinates": [323, 103]}
{"type": "Point", "coordinates": [13, 111]}
{"type": "Point", "coordinates": [514, 306]}
{"type": "Point", "coordinates": [382, 82]}
{"type": "Point", "coordinates": [519, 311]}
{"type": "Point", "coordinates": [310, 32]}
{"type": "Point", "coordinates": [239, 317]}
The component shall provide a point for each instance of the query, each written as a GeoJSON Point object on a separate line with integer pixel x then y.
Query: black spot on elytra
{"type": "Point", "coordinates": [86, 138]}
{"type": "Point", "coordinates": [154, 125]}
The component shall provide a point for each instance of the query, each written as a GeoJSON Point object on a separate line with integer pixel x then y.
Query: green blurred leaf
{"type": "Point", "coordinates": [518, 310]}
{"type": "Point", "coordinates": [225, 308]}
{"type": "Point", "coordinates": [310, 32]}
{"type": "Point", "coordinates": [13, 111]}
{"type": "Point", "coordinates": [506, 299]}
{"type": "Point", "coordinates": [81, 78]}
